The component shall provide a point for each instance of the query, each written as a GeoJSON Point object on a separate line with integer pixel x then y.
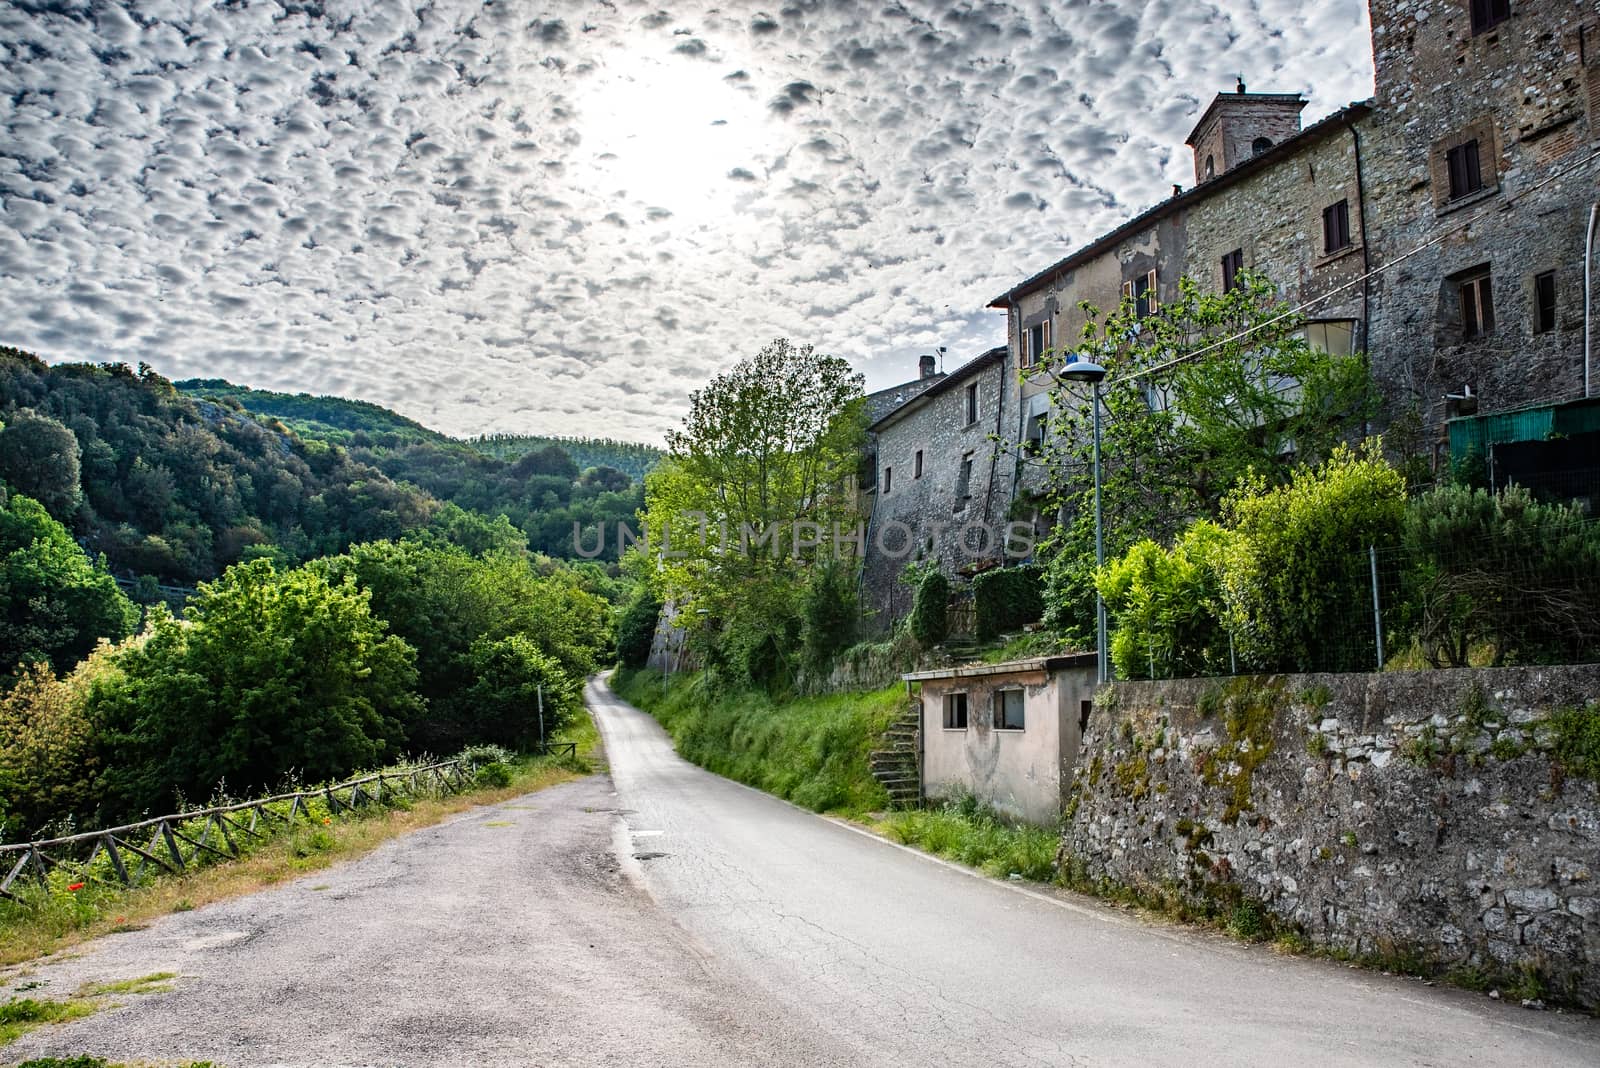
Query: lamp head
{"type": "Point", "coordinates": [1082, 371]}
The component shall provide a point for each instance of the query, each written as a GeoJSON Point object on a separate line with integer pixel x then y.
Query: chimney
{"type": "Point", "coordinates": [925, 365]}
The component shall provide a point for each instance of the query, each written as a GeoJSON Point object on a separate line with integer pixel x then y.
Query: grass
{"type": "Point", "coordinates": [969, 832]}
{"type": "Point", "coordinates": [47, 922]}
{"type": "Point", "coordinates": [21, 1015]}
{"type": "Point", "coordinates": [101, 1062]}
{"type": "Point", "coordinates": [809, 750]}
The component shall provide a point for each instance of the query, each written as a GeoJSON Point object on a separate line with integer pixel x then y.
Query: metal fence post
{"type": "Point", "coordinates": [1377, 607]}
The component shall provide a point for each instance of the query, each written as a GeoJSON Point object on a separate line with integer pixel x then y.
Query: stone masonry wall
{"type": "Point", "coordinates": [1407, 815]}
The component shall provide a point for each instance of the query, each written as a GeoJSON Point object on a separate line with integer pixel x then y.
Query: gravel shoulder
{"type": "Point", "coordinates": [506, 936]}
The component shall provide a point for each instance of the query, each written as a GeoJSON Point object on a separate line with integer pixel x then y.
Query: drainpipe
{"type": "Point", "coordinates": [1588, 259]}
{"type": "Point", "coordinates": [1366, 262]}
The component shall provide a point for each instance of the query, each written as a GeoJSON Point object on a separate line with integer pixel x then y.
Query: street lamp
{"type": "Point", "coordinates": [1093, 373]}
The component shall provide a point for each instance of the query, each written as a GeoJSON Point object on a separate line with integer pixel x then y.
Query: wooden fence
{"type": "Point", "coordinates": [221, 828]}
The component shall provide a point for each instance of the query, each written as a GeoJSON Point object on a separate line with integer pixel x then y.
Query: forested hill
{"type": "Point", "coordinates": [359, 424]}
{"type": "Point", "coordinates": [178, 487]}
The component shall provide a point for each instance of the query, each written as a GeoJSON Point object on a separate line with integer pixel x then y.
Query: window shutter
{"type": "Point", "coordinates": [1150, 291]}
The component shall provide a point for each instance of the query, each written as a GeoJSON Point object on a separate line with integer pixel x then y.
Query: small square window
{"type": "Point", "coordinates": [1544, 302]}
{"type": "Point", "coordinates": [916, 469]}
{"type": "Point", "coordinates": [1465, 168]}
{"type": "Point", "coordinates": [1336, 227]}
{"type": "Point", "coordinates": [955, 711]}
{"type": "Point", "coordinates": [1008, 711]}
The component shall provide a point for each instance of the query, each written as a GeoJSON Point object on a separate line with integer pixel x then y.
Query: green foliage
{"type": "Point", "coordinates": [929, 620]}
{"type": "Point", "coordinates": [1577, 740]}
{"type": "Point", "coordinates": [828, 613]}
{"type": "Point", "coordinates": [1006, 598]}
{"type": "Point", "coordinates": [1177, 440]}
{"type": "Point", "coordinates": [39, 457]}
{"type": "Point", "coordinates": [1165, 607]}
{"type": "Point", "coordinates": [746, 502]}
{"type": "Point", "coordinates": [1504, 571]}
{"type": "Point", "coordinates": [1297, 568]}
{"type": "Point", "coordinates": [626, 457]}
{"type": "Point", "coordinates": [493, 776]}
{"type": "Point", "coordinates": [488, 632]}
{"type": "Point", "coordinates": [970, 832]}
{"type": "Point", "coordinates": [55, 603]}
{"type": "Point", "coordinates": [48, 759]}
{"type": "Point", "coordinates": [636, 627]}
{"type": "Point", "coordinates": [274, 672]}
{"type": "Point", "coordinates": [812, 751]}
{"type": "Point", "coordinates": [20, 1015]}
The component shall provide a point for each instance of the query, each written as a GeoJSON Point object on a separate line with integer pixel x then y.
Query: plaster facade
{"type": "Point", "coordinates": [1021, 772]}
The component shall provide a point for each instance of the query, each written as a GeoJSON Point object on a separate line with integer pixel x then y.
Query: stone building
{"type": "Point", "coordinates": [1480, 179]}
{"type": "Point", "coordinates": [938, 478]}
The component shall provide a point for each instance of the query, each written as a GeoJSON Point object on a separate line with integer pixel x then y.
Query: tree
{"type": "Point", "coordinates": [1227, 385]}
{"type": "Point", "coordinates": [273, 673]}
{"type": "Point", "coordinates": [55, 603]}
{"type": "Point", "coordinates": [752, 489]}
{"type": "Point", "coordinates": [636, 628]}
{"type": "Point", "coordinates": [48, 762]}
{"type": "Point", "coordinates": [40, 457]}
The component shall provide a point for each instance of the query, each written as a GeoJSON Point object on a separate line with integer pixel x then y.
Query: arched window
{"type": "Point", "coordinates": [1260, 145]}
{"type": "Point", "coordinates": [1211, 167]}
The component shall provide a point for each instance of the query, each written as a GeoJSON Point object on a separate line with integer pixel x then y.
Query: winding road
{"type": "Point", "coordinates": [662, 915]}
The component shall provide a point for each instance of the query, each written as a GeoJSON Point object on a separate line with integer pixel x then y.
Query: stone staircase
{"type": "Point", "coordinates": [895, 765]}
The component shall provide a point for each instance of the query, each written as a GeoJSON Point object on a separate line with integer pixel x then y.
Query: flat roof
{"type": "Point", "coordinates": [1006, 667]}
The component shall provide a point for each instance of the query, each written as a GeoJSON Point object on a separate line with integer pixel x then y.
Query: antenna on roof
{"type": "Point", "coordinates": [941, 359]}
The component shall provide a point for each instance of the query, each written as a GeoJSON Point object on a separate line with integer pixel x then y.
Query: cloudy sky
{"type": "Point", "coordinates": [561, 217]}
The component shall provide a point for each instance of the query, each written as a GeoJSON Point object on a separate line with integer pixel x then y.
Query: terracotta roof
{"type": "Point", "coordinates": [1283, 149]}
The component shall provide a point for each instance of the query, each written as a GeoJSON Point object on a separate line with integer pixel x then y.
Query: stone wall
{"type": "Point", "coordinates": [1421, 816]}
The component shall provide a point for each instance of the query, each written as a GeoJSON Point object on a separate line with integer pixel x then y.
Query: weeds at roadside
{"type": "Point", "coordinates": [966, 830]}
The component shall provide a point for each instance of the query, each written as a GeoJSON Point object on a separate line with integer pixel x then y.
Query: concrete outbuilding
{"type": "Point", "coordinates": [1008, 733]}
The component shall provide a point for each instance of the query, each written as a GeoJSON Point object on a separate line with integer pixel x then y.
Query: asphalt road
{"type": "Point", "coordinates": [679, 918]}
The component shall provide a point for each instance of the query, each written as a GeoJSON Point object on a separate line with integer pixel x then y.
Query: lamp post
{"type": "Point", "coordinates": [1093, 373]}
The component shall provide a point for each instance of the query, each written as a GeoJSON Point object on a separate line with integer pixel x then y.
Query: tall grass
{"type": "Point", "coordinates": [968, 831]}
{"type": "Point", "coordinates": [809, 750]}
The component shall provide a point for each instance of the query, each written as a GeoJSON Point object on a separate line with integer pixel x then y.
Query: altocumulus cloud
{"type": "Point", "coordinates": [491, 221]}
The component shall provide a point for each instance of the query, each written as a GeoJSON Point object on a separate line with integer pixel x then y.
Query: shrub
{"type": "Point", "coordinates": [1501, 569]}
{"type": "Point", "coordinates": [930, 611]}
{"type": "Point", "coordinates": [828, 613]}
{"type": "Point", "coordinates": [1165, 607]}
{"type": "Point", "coordinates": [47, 753]}
{"type": "Point", "coordinates": [519, 696]}
{"type": "Point", "coordinates": [493, 775]}
{"type": "Point", "coordinates": [1296, 571]}
{"type": "Point", "coordinates": [1006, 598]}
{"type": "Point", "coordinates": [636, 628]}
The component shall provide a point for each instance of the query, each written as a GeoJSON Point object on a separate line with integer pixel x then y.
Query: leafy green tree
{"type": "Point", "coordinates": [829, 612]}
{"type": "Point", "coordinates": [55, 603]}
{"type": "Point", "coordinates": [48, 763]}
{"type": "Point", "coordinates": [1165, 606]}
{"type": "Point", "coordinates": [1227, 386]}
{"type": "Point", "coordinates": [749, 495]}
{"type": "Point", "coordinates": [512, 681]}
{"type": "Point", "coordinates": [636, 628]}
{"type": "Point", "coordinates": [40, 457]}
{"type": "Point", "coordinates": [273, 673]}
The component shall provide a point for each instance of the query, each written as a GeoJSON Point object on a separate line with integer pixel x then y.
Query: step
{"type": "Point", "coordinates": [899, 784]}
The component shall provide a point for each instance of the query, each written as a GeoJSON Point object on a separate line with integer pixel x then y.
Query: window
{"type": "Point", "coordinates": [1232, 264]}
{"type": "Point", "coordinates": [1037, 429]}
{"type": "Point", "coordinates": [1336, 227]}
{"type": "Point", "coordinates": [1487, 14]}
{"type": "Point", "coordinates": [888, 479]}
{"type": "Point", "coordinates": [1260, 145]}
{"type": "Point", "coordinates": [1477, 308]}
{"type": "Point", "coordinates": [1211, 167]}
{"type": "Point", "coordinates": [1142, 291]}
{"type": "Point", "coordinates": [1008, 715]}
{"type": "Point", "coordinates": [955, 711]}
{"type": "Point", "coordinates": [916, 468]}
{"type": "Point", "coordinates": [1466, 174]}
{"type": "Point", "coordinates": [1085, 708]}
{"type": "Point", "coordinates": [972, 404]}
{"type": "Point", "coordinates": [1544, 302]}
{"type": "Point", "coordinates": [964, 482]}
{"type": "Point", "coordinates": [1035, 342]}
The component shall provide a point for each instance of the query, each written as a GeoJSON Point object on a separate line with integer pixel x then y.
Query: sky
{"type": "Point", "coordinates": [561, 218]}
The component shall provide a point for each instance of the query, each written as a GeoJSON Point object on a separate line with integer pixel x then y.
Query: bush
{"type": "Point", "coordinates": [493, 776]}
{"type": "Point", "coordinates": [47, 753]}
{"type": "Point", "coordinates": [511, 677]}
{"type": "Point", "coordinates": [1165, 607]}
{"type": "Point", "coordinates": [1504, 571]}
{"type": "Point", "coordinates": [272, 672]}
{"type": "Point", "coordinates": [828, 613]}
{"type": "Point", "coordinates": [930, 610]}
{"type": "Point", "coordinates": [636, 628]}
{"type": "Point", "coordinates": [1006, 598]}
{"type": "Point", "coordinates": [1296, 572]}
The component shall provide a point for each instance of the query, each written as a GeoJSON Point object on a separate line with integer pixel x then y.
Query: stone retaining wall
{"type": "Point", "coordinates": [1439, 817]}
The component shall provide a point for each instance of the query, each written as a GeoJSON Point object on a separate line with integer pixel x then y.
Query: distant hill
{"type": "Point", "coordinates": [628, 456]}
